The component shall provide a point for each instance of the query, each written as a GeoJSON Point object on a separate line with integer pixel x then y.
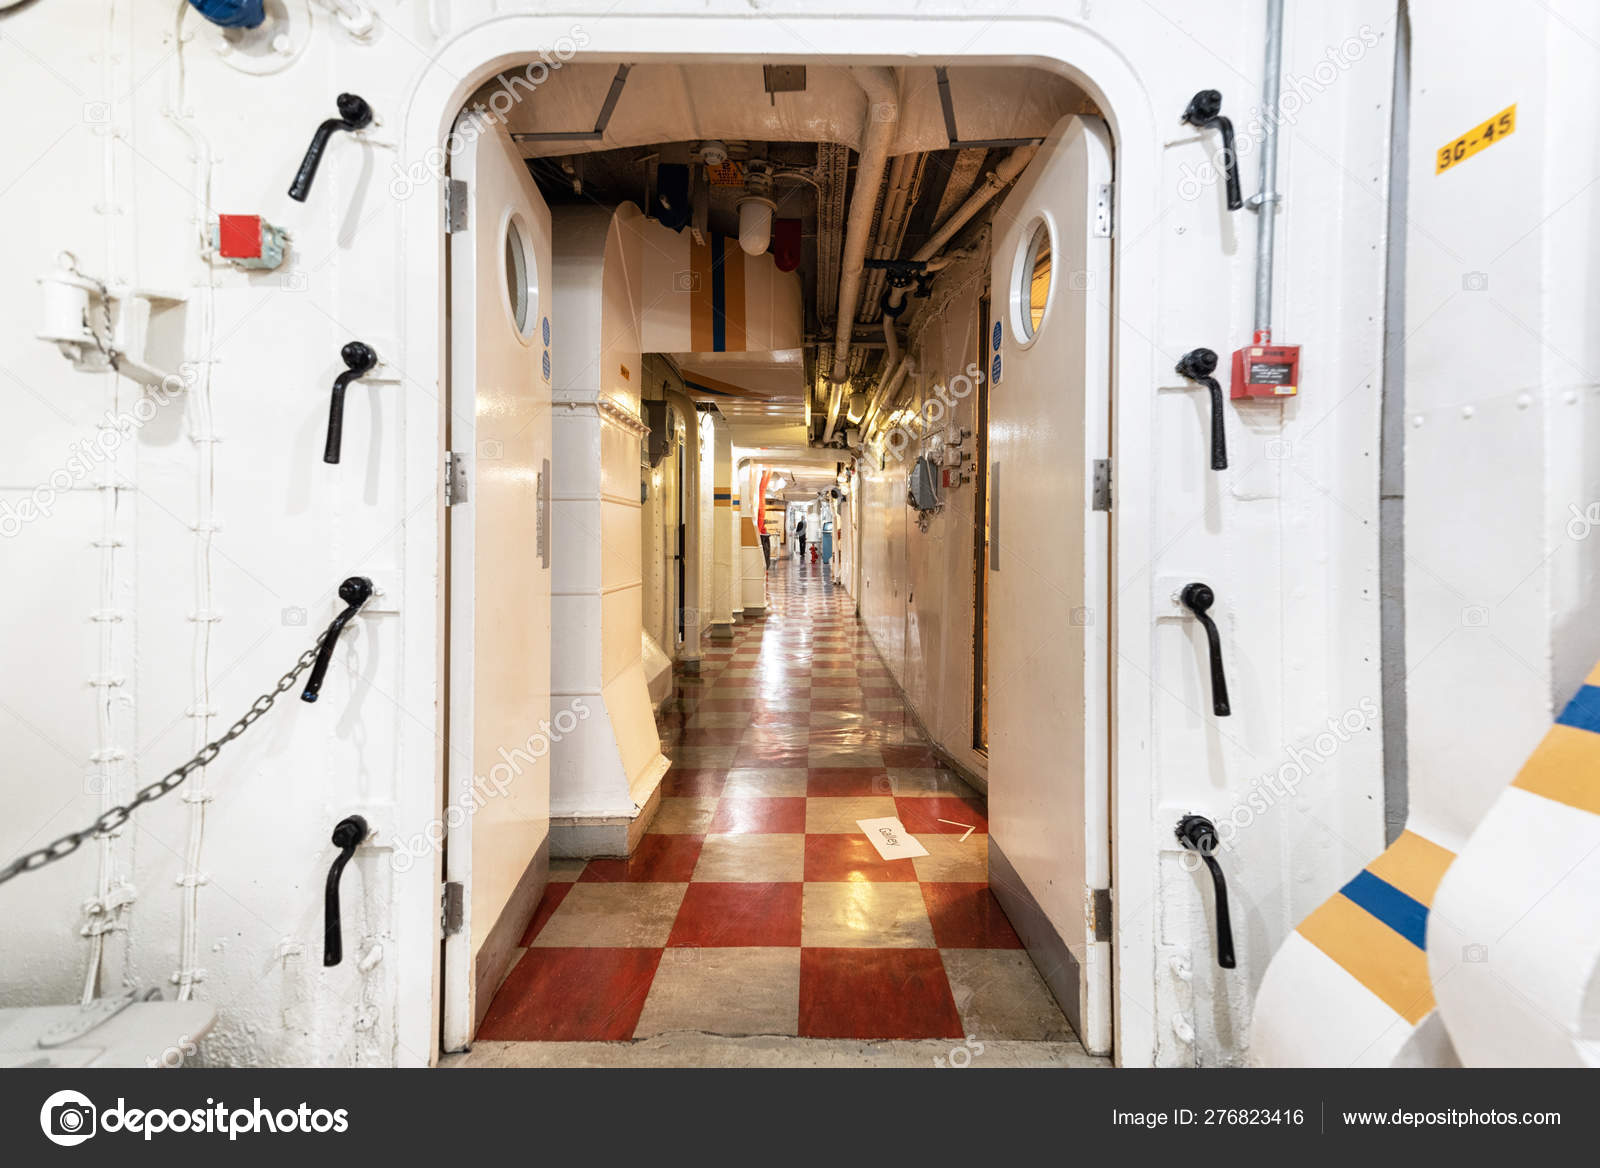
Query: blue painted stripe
{"type": "Point", "coordinates": [719, 297]}
{"type": "Point", "coordinates": [1583, 711]}
{"type": "Point", "coordinates": [1394, 908]}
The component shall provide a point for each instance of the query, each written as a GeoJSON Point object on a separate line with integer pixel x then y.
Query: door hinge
{"type": "Point", "coordinates": [455, 205]}
{"type": "Point", "coordinates": [455, 478]}
{"type": "Point", "coordinates": [1102, 484]}
{"type": "Point", "coordinates": [1102, 210]}
{"type": "Point", "coordinates": [452, 908]}
{"type": "Point", "coordinates": [1100, 913]}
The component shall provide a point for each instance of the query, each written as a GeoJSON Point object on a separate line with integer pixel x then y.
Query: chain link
{"type": "Point", "coordinates": [114, 817]}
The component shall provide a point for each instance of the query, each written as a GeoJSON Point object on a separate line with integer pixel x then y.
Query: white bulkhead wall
{"type": "Point", "coordinates": [604, 773]}
{"type": "Point", "coordinates": [108, 171]}
{"type": "Point", "coordinates": [1503, 567]}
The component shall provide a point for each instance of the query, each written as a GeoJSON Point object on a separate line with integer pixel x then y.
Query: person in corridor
{"type": "Point", "coordinates": [800, 536]}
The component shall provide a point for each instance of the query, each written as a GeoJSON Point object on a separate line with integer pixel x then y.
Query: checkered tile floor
{"type": "Point", "coordinates": [755, 905]}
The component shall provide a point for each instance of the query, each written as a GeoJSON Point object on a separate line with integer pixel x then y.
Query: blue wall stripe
{"type": "Point", "coordinates": [1394, 908]}
{"type": "Point", "coordinates": [1583, 711]}
{"type": "Point", "coordinates": [719, 297]}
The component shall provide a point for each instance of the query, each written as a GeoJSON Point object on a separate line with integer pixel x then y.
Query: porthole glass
{"type": "Point", "coordinates": [1033, 280]}
{"type": "Point", "coordinates": [520, 280]}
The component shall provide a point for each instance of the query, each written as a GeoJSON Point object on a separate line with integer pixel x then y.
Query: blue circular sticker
{"type": "Point", "coordinates": [995, 376]}
{"type": "Point", "coordinates": [997, 334]}
{"type": "Point", "coordinates": [547, 330]}
{"type": "Point", "coordinates": [546, 364]}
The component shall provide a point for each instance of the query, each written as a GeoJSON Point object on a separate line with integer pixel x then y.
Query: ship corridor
{"type": "Point", "coordinates": [739, 333]}
{"type": "Point", "coordinates": [755, 905]}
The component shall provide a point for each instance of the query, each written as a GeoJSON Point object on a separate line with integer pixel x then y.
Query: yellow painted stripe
{"type": "Point", "coordinates": [1374, 954]}
{"type": "Point", "coordinates": [748, 536]}
{"type": "Point", "coordinates": [1594, 675]}
{"type": "Point", "coordinates": [1414, 865]}
{"type": "Point", "coordinates": [733, 297]}
{"type": "Point", "coordinates": [700, 297]}
{"type": "Point", "coordinates": [1565, 768]}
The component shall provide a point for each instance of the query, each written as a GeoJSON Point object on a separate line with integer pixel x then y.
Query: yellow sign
{"type": "Point", "coordinates": [1478, 138]}
{"type": "Point", "coordinates": [729, 174]}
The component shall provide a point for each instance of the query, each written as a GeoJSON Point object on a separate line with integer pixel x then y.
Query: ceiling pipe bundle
{"type": "Point", "coordinates": [997, 180]}
{"type": "Point", "coordinates": [882, 119]}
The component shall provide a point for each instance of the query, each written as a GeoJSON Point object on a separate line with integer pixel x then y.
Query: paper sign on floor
{"type": "Point", "coordinates": [891, 839]}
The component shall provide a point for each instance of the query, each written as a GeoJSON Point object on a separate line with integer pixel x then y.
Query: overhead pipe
{"type": "Point", "coordinates": [997, 180]}
{"type": "Point", "coordinates": [1265, 202]}
{"type": "Point", "coordinates": [882, 120]}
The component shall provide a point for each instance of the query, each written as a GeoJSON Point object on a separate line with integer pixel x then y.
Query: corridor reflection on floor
{"type": "Point", "coordinates": [755, 905]}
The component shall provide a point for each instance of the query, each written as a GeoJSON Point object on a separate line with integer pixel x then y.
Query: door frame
{"type": "Point", "coordinates": [426, 112]}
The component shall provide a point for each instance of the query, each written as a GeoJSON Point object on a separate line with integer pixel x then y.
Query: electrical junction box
{"type": "Point", "coordinates": [248, 241]}
{"type": "Point", "coordinates": [922, 491]}
{"type": "Point", "coordinates": [1265, 370]}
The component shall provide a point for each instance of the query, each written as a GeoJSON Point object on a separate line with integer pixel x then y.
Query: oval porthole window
{"type": "Point", "coordinates": [1033, 281]}
{"type": "Point", "coordinates": [521, 284]}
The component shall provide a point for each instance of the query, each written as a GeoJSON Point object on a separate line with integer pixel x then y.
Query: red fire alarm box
{"type": "Point", "coordinates": [248, 241]}
{"type": "Point", "coordinates": [1265, 370]}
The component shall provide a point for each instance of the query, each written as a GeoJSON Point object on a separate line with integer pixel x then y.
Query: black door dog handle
{"type": "Point", "coordinates": [354, 114]}
{"type": "Point", "coordinates": [1198, 834]}
{"type": "Point", "coordinates": [1198, 365]}
{"type": "Point", "coordinates": [1204, 111]}
{"type": "Point", "coordinates": [348, 833]}
{"type": "Point", "coordinates": [359, 361]}
{"type": "Point", "coordinates": [355, 592]}
{"type": "Point", "coordinates": [1198, 598]}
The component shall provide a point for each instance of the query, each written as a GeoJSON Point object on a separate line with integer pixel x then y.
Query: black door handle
{"type": "Point", "coordinates": [1198, 365]}
{"type": "Point", "coordinates": [1198, 834]}
{"type": "Point", "coordinates": [355, 592]}
{"type": "Point", "coordinates": [1204, 111]}
{"type": "Point", "coordinates": [349, 832]}
{"type": "Point", "coordinates": [1198, 598]}
{"type": "Point", "coordinates": [354, 114]}
{"type": "Point", "coordinates": [359, 360]}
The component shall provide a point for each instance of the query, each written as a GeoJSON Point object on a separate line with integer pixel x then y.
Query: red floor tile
{"type": "Point", "coordinates": [967, 916]}
{"type": "Point", "coordinates": [909, 756]}
{"type": "Point", "coordinates": [572, 995]}
{"type": "Point", "coordinates": [666, 859]}
{"type": "Point", "coordinates": [853, 781]}
{"type": "Point", "coordinates": [833, 859]}
{"type": "Point", "coordinates": [554, 893]}
{"type": "Point", "coordinates": [691, 781]}
{"type": "Point", "coordinates": [727, 915]}
{"type": "Point", "coordinates": [759, 814]}
{"type": "Point", "coordinates": [929, 814]}
{"type": "Point", "coordinates": [712, 736]}
{"type": "Point", "coordinates": [875, 994]}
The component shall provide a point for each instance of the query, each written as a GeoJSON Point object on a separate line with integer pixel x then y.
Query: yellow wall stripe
{"type": "Point", "coordinates": [1414, 865]}
{"type": "Point", "coordinates": [1565, 768]}
{"type": "Point", "coordinates": [1374, 954]}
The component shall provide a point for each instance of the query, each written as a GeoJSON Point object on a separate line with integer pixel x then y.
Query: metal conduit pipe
{"type": "Point", "coordinates": [882, 120]}
{"type": "Point", "coordinates": [1265, 202]}
{"type": "Point", "coordinates": [993, 183]}
{"type": "Point", "coordinates": [893, 357]}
